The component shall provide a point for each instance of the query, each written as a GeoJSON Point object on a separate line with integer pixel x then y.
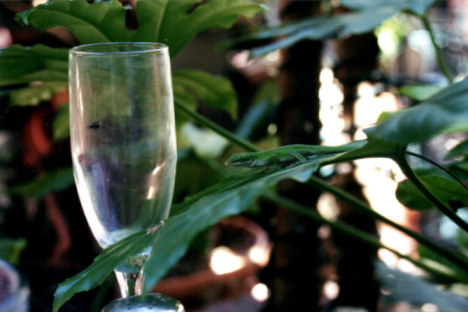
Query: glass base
{"type": "Point", "coordinates": [145, 303]}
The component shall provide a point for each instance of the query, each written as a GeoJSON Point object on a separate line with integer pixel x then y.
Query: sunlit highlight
{"type": "Point", "coordinates": [331, 289]}
{"type": "Point", "coordinates": [223, 260]}
{"type": "Point", "coordinates": [5, 38]}
{"type": "Point", "coordinates": [151, 192]}
{"type": "Point", "coordinates": [259, 255]}
{"type": "Point", "coordinates": [429, 307]}
{"type": "Point", "coordinates": [260, 292]}
{"type": "Point", "coordinates": [39, 2]}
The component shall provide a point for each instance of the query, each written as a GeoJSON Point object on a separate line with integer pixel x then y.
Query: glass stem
{"type": "Point", "coordinates": [130, 284]}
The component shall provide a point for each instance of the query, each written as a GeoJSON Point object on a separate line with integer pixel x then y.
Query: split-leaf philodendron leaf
{"type": "Point", "coordinates": [38, 63]}
{"type": "Point", "coordinates": [444, 112]}
{"type": "Point", "coordinates": [364, 17]}
{"type": "Point", "coordinates": [174, 23]}
{"type": "Point", "coordinates": [217, 92]}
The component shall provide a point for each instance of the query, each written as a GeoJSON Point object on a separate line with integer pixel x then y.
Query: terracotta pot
{"type": "Point", "coordinates": [205, 286]}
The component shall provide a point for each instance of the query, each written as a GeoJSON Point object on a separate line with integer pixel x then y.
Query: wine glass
{"type": "Point", "coordinates": [122, 133]}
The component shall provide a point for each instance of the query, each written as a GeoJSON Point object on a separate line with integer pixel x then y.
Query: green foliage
{"type": "Point", "coordinates": [10, 249]}
{"type": "Point", "coordinates": [461, 150]}
{"type": "Point", "coordinates": [418, 7]}
{"type": "Point", "coordinates": [192, 86]}
{"type": "Point", "coordinates": [61, 124]}
{"type": "Point", "coordinates": [413, 289]}
{"type": "Point", "coordinates": [33, 95]}
{"type": "Point", "coordinates": [435, 261]}
{"type": "Point", "coordinates": [102, 266]}
{"type": "Point", "coordinates": [174, 23]}
{"type": "Point", "coordinates": [176, 28]}
{"type": "Point", "coordinates": [442, 110]}
{"type": "Point", "coordinates": [48, 183]}
{"type": "Point", "coordinates": [364, 17]}
{"type": "Point", "coordinates": [90, 23]}
{"type": "Point", "coordinates": [445, 112]}
{"type": "Point", "coordinates": [159, 20]}
{"type": "Point", "coordinates": [461, 239]}
{"type": "Point", "coordinates": [27, 64]}
{"type": "Point", "coordinates": [170, 242]}
{"type": "Point", "coordinates": [444, 188]}
{"type": "Point", "coordinates": [290, 155]}
{"type": "Point", "coordinates": [420, 92]}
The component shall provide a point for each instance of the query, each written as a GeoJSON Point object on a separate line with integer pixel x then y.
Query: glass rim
{"type": "Point", "coordinates": [141, 47]}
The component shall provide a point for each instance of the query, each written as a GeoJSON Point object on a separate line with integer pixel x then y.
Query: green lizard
{"type": "Point", "coordinates": [287, 155]}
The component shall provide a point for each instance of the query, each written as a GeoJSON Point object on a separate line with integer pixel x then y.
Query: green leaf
{"type": "Point", "coordinates": [229, 197]}
{"type": "Point", "coordinates": [364, 21]}
{"type": "Point", "coordinates": [17, 61]}
{"type": "Point", "coordinates": [417, 291]}
{"type": "Point", "coordinates": [10, 249]}
{"type": "Point", "coordinates": [367, 15]}
{"type": "Point", "coordinates": [290, 155]}
{"type": "Point", "coordinates": [420, 92]}
{"type": "Point", "coordinates": [174, 23]}
{"type": "Point", "coordinates": [61, 123]}
{"type": "Point", "coordinates": [90, 23]}
{"type": "Point", "coordinates": [214, 91]}
{"type": "Point", "coordinates": [410, 196]}
{"type": "Point", "coordinates": [385, 115]}
{"type": "Point", "coordinates": [260, 113]}
{"type": "Point", "coordinates": [200, 173]}
{"type": "Point", "coordinates": [169, 243]}
{"type": "Point", "coordinates": [186, 100]}
{"type": "Point", "coordinates": [434, 260]}
{"type": "Point", "coordinates": [462, 241]}
{"type": "Point", "coordinates": [176, 27]}
{"type": "Point", "coordinates": [33, 95]}
{"type": "Point", "coordinates": [48, 183]}
{"type": "Point", "coordinates": [461, 237]}
{"type": "Point", "coordinates": [37, 63]}
{"type": "Point", "coordinates": [368, 149]}
{"type": "Point", "coordinates": [445, 112]}
{"type": "Point", "coordinates": [319, 28]}
{"type": "Point", "coordinates": [444, 188]}
{"type": "Point", "coordinates": [103, 266]}
{"type": "Point", "coordinates": [419, 7]}
{"type": "Point", "coordinates": [460, 150]}
{"type": "Point", "coordinates": [255, 120]}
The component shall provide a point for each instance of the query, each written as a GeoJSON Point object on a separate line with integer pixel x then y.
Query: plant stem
{"type": "Point", "coordinates": [363, 207]}
{"type": "Point", "coordinates": [435, 164]}
{"type": "Point", "coordinates": [410, 175]}
{"type": "Point", "coordinates": [351, 231]}
{"type": "Point", "coordinates": [213, 126]}
{"type": "Point", "coordinates": [440, 59]}
{"type": "Point", "coordinates": [323, 186]}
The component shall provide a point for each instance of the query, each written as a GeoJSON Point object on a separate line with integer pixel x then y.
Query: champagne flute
{"type": "Point", "coordinates": [122, 133]}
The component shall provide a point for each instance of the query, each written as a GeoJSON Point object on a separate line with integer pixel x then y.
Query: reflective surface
{"type": "Point", "coordinates": [145, 303]}
{"type": "Point", "coordinates": [123, 136]}
{"type": "Point", "coordinates": [122, 133]}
